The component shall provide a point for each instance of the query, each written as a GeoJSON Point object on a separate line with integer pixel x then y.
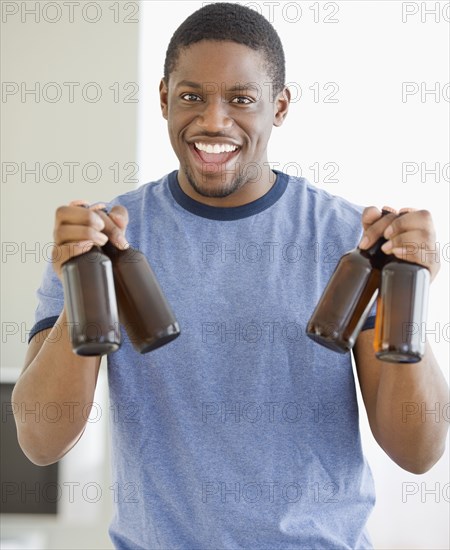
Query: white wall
{"type": "Point", "coordinates": [367, 135]}
{"type": "Point", "coordinates": [93, 48]}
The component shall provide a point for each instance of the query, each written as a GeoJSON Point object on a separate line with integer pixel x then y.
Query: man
{"type": "Point", "coordinates": [243, 432]}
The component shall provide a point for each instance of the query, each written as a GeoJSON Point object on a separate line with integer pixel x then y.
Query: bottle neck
{"type": "Point", "coordinates": [110, 250]}
{"type": "Point", "coordinates": [375, 249]}
{"type": "Point", "coordinates": [376, 255]}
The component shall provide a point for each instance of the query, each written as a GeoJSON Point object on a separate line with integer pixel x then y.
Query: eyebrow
{"type": "Point", "coordinates": [236, 88]}
{"type": "Point", "coordinates": [189, 84]}
{"type": "Point", "coordinates": [239, 87]}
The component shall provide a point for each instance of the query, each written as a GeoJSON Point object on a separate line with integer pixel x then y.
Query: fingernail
{"type": "Point", "coordinates": [364, 242]}
{"type": "Point", "coordinates": [122, 243]}
{"type": "Point", "coordinates": [387, 246]}
{"type": "Point", "coordinates": [84, 245]}
{"type": "Point", "coordinates": [102, 238]}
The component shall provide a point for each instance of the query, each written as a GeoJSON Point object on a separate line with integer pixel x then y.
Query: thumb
{"type": "Point", "coordinates": [116, 222]}
{"type": "Point", "coordinates": [119, 215]}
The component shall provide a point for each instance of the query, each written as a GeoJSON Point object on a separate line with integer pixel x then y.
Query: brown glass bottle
{"type": "Point", "coordinates": [348, 297]}
{"type": "Point", "coordinates": [401, 312]}
{"type": "Point", "coordinates": [91, 305]}
{"type": "Point", "coordinates": [143, 309]}
{"type": "Point", "coordinates": [346, 301]}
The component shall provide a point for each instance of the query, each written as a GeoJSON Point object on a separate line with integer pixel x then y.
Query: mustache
{"type": "Point", "coordinates": [213, 135]}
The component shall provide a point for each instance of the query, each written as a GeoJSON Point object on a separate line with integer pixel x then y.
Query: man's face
{"type": "Point", "coordinates": [220, 113]}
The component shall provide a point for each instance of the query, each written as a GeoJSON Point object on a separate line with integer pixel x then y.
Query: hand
{"type": "Point", "coordinates": [411, 237]}
{"type": "Point", "coordinates": [77, 230]}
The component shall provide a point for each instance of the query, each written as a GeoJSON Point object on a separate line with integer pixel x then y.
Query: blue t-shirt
{"type": "Point", "coordinates": [242, 433]}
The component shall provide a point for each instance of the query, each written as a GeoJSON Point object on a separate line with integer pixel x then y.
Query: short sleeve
{"type": "Point", "coordinates": [50, 297]}
{"type": "Point", "coordinates": [370, 321]}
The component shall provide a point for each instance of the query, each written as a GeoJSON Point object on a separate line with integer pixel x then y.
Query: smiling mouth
{"type": "Point", "coordinates": [214, 153]}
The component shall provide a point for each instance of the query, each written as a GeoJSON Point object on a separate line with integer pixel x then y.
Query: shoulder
{"type": "Point", "coordinates": [135, 199]}
{"type": "Point", "coordinates": [147, 207]}
{"type": "Point", "coordinates": [322, 208]}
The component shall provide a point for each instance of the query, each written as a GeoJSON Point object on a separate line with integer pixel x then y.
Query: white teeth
{"type": "Point", "coordinates": [216, 148]}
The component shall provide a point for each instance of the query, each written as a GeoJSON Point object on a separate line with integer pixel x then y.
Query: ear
{"type": "Point", "coordinates": [281, 106]}
{"type": "Point", "coordinates": [163, 98]}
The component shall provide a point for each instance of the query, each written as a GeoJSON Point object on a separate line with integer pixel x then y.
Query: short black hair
{"type": "Point", "coordinates": [234, 22]}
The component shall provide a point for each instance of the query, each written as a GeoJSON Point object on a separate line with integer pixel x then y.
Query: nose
{"type": "Point", "coordinates": [214, 116]}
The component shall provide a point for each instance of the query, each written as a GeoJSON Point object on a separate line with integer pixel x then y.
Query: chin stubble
{"type": "Point", "coordinates": [220, 192]}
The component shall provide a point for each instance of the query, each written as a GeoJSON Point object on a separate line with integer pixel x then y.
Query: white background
{"type": "Point", "coordinates": [373, 129]}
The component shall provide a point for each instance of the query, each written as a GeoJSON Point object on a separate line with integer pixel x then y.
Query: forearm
{"type": "Point", "coordinates": [397, 398]}
{"type": "Point", "coordinates": [410, 425]}
{"type": "Point", "coordinates": [52, 398]}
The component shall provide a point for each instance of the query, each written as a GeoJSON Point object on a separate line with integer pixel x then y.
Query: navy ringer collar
{"type": "Point", "coordinates": [232, 212]}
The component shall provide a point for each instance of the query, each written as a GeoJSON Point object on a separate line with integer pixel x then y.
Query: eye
{"type": "Point", "coordinates": [191, 97]}
{"type": "Point", "coordinates": [242, 100]}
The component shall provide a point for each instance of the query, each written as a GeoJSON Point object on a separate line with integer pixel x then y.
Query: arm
{"type": "Point", "coordinates": [53, 373]}
{"type": "Point", "coordinates": [396, 394]}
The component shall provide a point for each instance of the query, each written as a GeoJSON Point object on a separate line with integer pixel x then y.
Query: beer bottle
{"type": "Point", "coordinates": [91, 306]}
{"type": "Point", "coordinates": [143, 309]}
{"type": "Point", "coordinates": [348, 297]}
{"type": "Point", "coordinates": [401, 311]}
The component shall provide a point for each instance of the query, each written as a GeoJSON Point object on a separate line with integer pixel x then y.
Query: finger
{"type": "Point", "coordinates": [97, 206]}
{"type": "Point", "coordinates": [373, 231]}
{"type": "Point", "coordinates": [415, 220]}
{"type": "Point", "coordinates": [76, 216]}
{"type": "Point", "coordinates": [113, 231]}
{"type": "Point", "coordinates": [370, 215]}
{"type": "Point", "coordinates": [407, 210]}
{"type": "Point", "coordinates": [388, 210]}
{"type": "Point", "coordinates": [119, 214]}
{"type": "Point", "coordinates": [79, 202]}
{"type": "Point", "coordinates": [410, 247]}
{"type": "Point", "coordinates": [410, 242]}
{"type": "Point", "coordinates": [75, 233]}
